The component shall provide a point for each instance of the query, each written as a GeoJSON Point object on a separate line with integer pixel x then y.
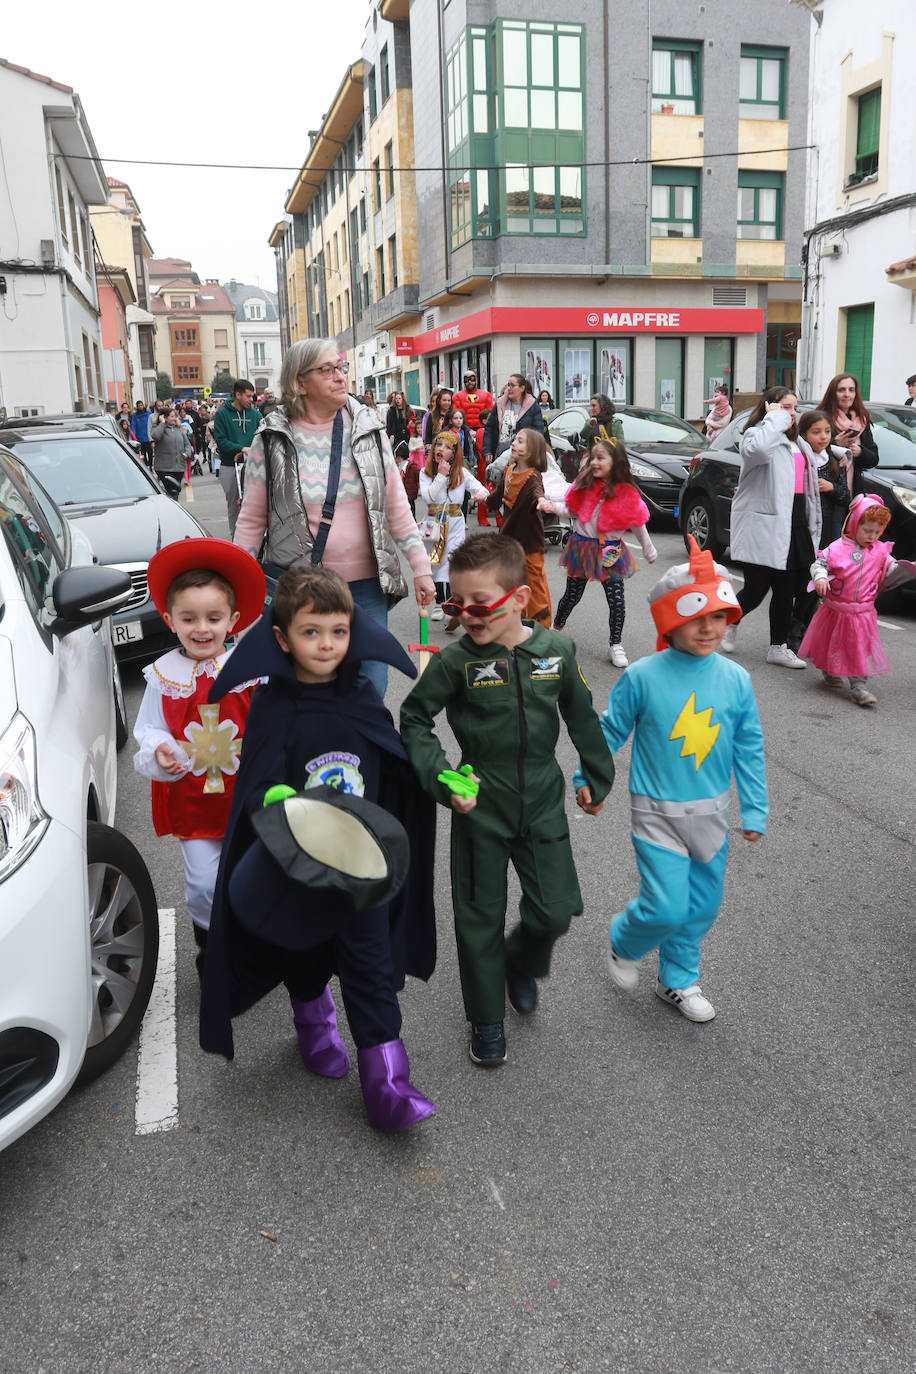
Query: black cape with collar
{"type": "Point", "coordinates": [289, 724]}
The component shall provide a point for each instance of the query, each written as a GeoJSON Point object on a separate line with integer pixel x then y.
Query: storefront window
{"type": "Point", "coordinates": [669, 375]}
{"type": "Point", "coordinates": [613, 376]}
{"type": "Point", "coordinates": [717, 364]}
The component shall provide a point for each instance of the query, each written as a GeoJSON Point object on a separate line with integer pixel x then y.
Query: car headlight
{"type": "Point", "coordinates": [23, 820]}
{"type": "Point", "coordinates": [646, 474]}
{"type": "Point", "coordinates": [906, 496]}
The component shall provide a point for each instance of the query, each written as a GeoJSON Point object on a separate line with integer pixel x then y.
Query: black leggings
{"type": "Point", "coordinates": [785, 585]}
{"type": "Point", "coordinates": [616, 607]}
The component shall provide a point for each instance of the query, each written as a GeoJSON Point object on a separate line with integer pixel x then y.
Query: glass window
{"type": "Point", "coordinates": [383, 67]}
{"type": "Point", "coordinates": [30, 547]}
{"type": "Point", "coordinates": [761, 83]}
{"type": "Point", "coordinates": [669, 376]}
{"type": "Point", "coordinates": [759, 205]}
{"type": "Point", "coordinates": [83, 471]}
{"type": "Point", "coordinates": [675, 77]}
{"type": "Point", "coordinates": [675, 202]}
{"type": "Point", "coordinates": [373, 98]}
{"type": "Point", "coordinates": [868, 134]}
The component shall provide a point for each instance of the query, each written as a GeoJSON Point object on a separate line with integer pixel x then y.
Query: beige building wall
{"type": "Point", "coordinates": [211, 352]}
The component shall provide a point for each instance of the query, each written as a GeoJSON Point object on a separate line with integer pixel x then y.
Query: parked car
{"type": "Point", "coordinates": [119, 505]}
{"type": "Point", "coordinates": [78, 919]}
{"type": "Point", "coordinates": [101, 420]}
{"type": "Point", "coordinates": [660, 447]}
{"type": "Point", "coordinates": [706, 496]}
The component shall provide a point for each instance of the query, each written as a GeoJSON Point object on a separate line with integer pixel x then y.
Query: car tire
{"type": "Point", "coordinates": [699, 521]}
{"type": "Point", "coordinates": [122, 729]}
{"type": "Point", "coordinates": [124, 936]}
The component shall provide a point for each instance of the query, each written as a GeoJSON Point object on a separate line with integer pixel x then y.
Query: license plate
{"type": "Point", "coordinates": [128, 632]}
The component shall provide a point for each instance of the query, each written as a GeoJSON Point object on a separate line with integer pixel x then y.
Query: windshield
{"type": "Point", "coordinates": [83, 470]}
{"type": "Point", "coordinates": [655, 427]}
{"type": "Point", "coordinates": [895, 435]}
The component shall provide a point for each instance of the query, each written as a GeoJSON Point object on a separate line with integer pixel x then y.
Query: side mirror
{"type": "Point", "coordinates": [83, 595]}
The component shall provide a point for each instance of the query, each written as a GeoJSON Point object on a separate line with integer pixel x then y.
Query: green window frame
{"type": "Point", "coordinates": [677, 69]}
{"type": "Point", "coordinates": [377, 176]}
{"type": "Point", "coordinates": [868, 134]}
{"type": "Point", "coordinates": [760, 196]}
{"type": "Point", "coordinates": [762, 82]}
{"type": "Point", "coordinates": [383, 69]}
{"type": "Point", "coordinates": [380, 270]}
{"type": "Point", "coordinates": [389, 158]}
{"type": "Point", "coordinates": [393, 258]}
{"type": "Point", "coordinates": [373, 96]}
{"type": "Point", "coordinates": [675, 202]}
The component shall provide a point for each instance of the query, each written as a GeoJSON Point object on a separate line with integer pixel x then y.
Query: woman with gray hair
{"type": "Point", "coordinates": [322, 486]}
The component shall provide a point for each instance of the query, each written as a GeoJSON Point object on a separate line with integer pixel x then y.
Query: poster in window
{"type": "Point", "coordinates": [539, 369]}
{"type": "Point", "coordinates": [667, 395]}
{"type": "Point", "coordinates": [577, 370]}
{"type": "Point", "coordinates": [613, 373]}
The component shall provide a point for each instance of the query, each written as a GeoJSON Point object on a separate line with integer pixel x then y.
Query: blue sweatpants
{"type": "Point", "coordinates": [678, 901]}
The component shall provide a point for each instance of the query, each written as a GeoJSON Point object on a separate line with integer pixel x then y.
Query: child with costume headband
{"type": "Point", "coordinates": [205, 590]}
{"type": "Point", "coordinates": [842, 639]}
{"type": "Point", "coordinates": [444, 483]}
{"type": "Point", "coordinates": [694, 722]}
{"type": "Point", "coordinates": [519, 489]}
{"type": "Point", "coordinates": [604, 503]}
{"type": "Point", "coordinates": [319, 728]}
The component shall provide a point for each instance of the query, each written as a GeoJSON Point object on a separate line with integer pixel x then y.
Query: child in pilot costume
{"type": "Point", "coordinates": [694, 722]}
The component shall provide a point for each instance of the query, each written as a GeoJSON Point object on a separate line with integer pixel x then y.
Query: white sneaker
{"type": "Point", "coordinates": [624, 972]}
{"type": "Point", "coordinates": [618, 657]}
{"type": "Point", "coordinates": [436, 613]}
{"type": "Point", "coordinates": [729, 639]}
{"type": "Point", "coordinates": [690, 1002]}
{"type": "Point", "coordinates": [783, 656]}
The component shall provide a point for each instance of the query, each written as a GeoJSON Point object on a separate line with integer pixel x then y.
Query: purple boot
{"type": "Point", "coordinates": [392, 1102]}
{"type": "Point", "coordinates": [321, 1047]}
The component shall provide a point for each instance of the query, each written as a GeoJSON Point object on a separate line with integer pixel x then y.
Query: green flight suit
{"type": "Point", "coordinates": [504, 707]}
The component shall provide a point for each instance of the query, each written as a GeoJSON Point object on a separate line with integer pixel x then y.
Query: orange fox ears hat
{"type": "Point", "coordinates": [690, 590]}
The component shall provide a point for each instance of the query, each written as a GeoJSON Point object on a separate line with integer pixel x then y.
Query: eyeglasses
{"type": "Point", "coordinates": [476, 609]}
{"type": "Point", "coordinates": [328, 369]}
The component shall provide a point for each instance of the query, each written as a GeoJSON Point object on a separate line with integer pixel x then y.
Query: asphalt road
{"type": "Point", "coordinates": [630, 1192]}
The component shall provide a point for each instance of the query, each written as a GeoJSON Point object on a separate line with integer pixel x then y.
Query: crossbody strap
{"type": "Point", "coordinates": [330, 499]}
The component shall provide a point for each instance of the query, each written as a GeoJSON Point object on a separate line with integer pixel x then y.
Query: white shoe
{"type": "Point", "coordinates": [624, 972]}
{"type": "Point", "coordinates": [436, 613]}
{"type": "Point", "coordinates": [618, 657]}
{"type": "Point", "coordinates": [783, 656]}
{"type": "Point", "coordinates": [729, 640]}
{"type": "Point", "coordinates": [690, 1002]}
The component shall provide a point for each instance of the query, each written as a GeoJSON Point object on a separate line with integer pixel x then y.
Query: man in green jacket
{"type": "Point", "coordinates": [503, 688]}
{"type": "Point", "coordinates": [233, 430]}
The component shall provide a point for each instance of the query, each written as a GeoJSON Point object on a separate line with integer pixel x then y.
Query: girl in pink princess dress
{"type": "Point", "coordinates": [842, 639]}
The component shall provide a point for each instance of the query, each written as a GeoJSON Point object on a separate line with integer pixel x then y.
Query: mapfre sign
{"type": "Point", "coordinates": [537, 322]}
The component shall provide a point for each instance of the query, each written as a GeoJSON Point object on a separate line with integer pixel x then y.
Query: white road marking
{"type": "Point", "coordinates": [157, 1062]}
{"type": "Point", "coordinates": [496, 1197]}
{"type": "Point", "coordinates": [887, 625]}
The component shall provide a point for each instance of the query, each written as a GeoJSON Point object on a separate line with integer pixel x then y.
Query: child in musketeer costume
{"type": "Point", "coordinates": [694, 722]}
{"type": "Point", "coordinates": [318, 875]}
{"type": "Point", "coordinates": [204, 589]}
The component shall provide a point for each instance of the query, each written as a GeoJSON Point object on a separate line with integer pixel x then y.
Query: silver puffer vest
{"type": "Point", "coordinates": [289, 538]}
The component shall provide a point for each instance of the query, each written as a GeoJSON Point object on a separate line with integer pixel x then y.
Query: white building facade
{"type": "Point", "coordinates": [859, 312]}
{"type": "Point", "coordinates": [50, 340]}
{"type": "Point", "coordinates": [257, 334]}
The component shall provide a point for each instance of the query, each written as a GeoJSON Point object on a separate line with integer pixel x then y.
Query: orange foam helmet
{"type": "Point", "coordinates": [689, 590]}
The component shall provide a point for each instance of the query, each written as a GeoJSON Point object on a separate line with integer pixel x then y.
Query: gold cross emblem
{"type": "Point", "coordinates": [214, 749]}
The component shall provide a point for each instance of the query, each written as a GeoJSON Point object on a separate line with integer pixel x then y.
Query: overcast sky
{"type": "Point", "coordinates": [186, 82]}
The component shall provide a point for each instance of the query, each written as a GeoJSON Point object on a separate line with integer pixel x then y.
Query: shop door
{"type": "Point", "coordinates": [860, 325]}
{"type": "Point", "coordinates": [669, 375]}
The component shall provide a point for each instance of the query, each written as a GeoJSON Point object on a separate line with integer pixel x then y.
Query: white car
{"type": "Point", "coordinates": [78, 921]}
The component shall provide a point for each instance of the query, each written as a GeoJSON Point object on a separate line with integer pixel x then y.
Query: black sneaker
{"type": "Point", "coordinates": [488, 1044]}
{"type": "Point", "coordinates": [522, 990]}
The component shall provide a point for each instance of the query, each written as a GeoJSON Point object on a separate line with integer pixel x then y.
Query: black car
{"type": "Point", "coordinates": [706, 496]}
{"type": "Point", "coordinates": [99, 485]}
{"type": "Point", "coordinates": [660, 446]}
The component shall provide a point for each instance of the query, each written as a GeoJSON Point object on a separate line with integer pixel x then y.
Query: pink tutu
{"type": "Point", "coordinates": [845, 643]}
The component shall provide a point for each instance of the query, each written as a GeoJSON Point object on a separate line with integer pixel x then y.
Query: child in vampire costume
{"type": "Point", "coordinates": [336, 734]}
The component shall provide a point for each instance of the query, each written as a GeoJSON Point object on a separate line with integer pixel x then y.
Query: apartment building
{"type": "Point", "coordinates": [121, 237]}
{"type": "Point", "coordinates": [257, 333]}
{"type": "Point", "coordinates": [195, 337]}
{"type": "Point", "coordinates": [50, 342]}
{"type": "Point", "coordinates": [860, 283]}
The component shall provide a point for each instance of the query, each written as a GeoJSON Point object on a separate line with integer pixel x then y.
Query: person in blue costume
{"type": "Point", "coordinates": [694, 722]}
{"type": "Point", "coordinates": [319, 723]}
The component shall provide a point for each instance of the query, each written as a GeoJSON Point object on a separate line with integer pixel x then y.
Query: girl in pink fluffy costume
{"type": "Point", "coordinates": [604, 503]}
{"type": "Point", "coordinates": [842, 639]}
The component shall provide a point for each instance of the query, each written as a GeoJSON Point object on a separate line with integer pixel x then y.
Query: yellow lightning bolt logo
{"type": "Point", "coordinates": [694, 728]}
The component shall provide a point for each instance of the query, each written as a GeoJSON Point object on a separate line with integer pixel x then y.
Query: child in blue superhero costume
{"type": "Point", "coordinates": [694, 722]}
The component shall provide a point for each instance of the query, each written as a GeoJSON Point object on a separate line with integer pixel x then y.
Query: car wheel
{"type": "Point", "coordinates": [700, 522]}
{"type": "Point", "coordinates": [122, 730]}
{"type": "Point", "coordinates": [124, 935]}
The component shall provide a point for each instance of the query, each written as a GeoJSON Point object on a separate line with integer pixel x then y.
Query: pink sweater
{"type": "Point", "coordinates": [349, 547]}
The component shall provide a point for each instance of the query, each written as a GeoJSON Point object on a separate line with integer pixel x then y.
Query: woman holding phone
{"type": "Point", "coordinates": [850, 425]}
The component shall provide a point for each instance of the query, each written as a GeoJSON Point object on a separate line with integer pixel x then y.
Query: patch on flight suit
{"type": "Point", "coordinates": [337, 770]}
{"type": "Point", "coordinates": [696, 731]}
{"type": "Point", "coordinates": [547, 667]}
{"type": "Point", "coordinates": [488, 672]}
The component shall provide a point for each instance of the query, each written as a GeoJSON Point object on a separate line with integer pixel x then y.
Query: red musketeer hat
{"type": "Point", "coordinates": [235, 564]}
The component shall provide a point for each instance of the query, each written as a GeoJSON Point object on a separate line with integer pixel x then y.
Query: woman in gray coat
{"type": "Point", "coordinates": [776, 518]}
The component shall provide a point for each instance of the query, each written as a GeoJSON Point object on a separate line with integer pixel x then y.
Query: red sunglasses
{"type": "Point", "coordinates": [476, 609]}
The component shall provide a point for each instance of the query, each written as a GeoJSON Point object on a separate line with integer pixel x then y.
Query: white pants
{"type": "Point", "coordinates": [201, 864]}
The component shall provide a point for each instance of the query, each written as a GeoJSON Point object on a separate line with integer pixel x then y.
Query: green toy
{"type": "Point", "coordinates": [278, 793]}
{"type": "Point", "coordinates": [460, 782]}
